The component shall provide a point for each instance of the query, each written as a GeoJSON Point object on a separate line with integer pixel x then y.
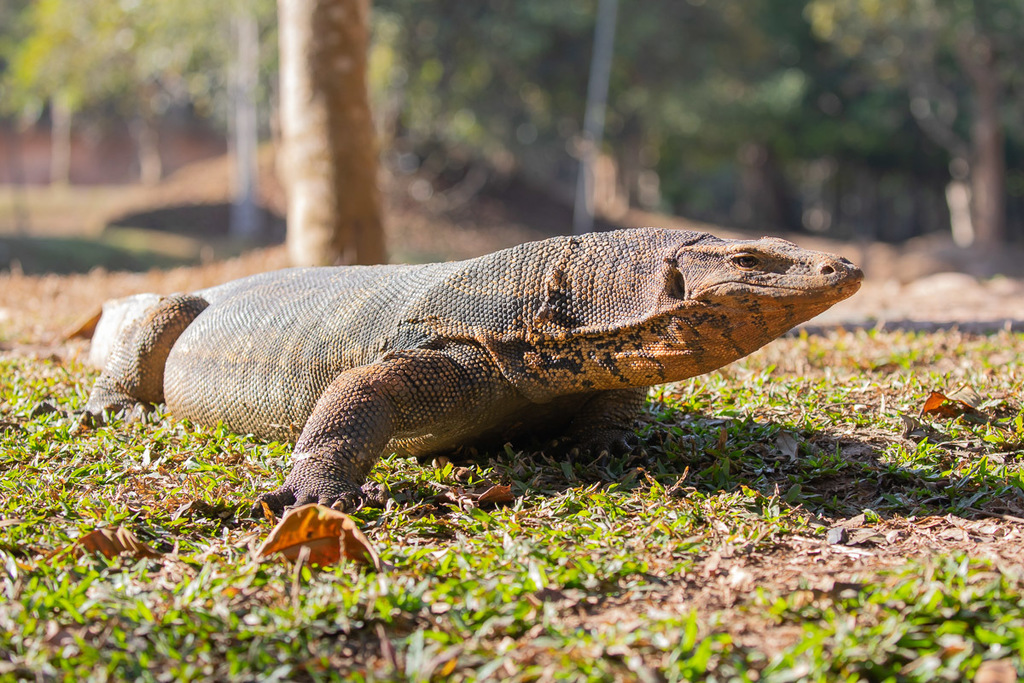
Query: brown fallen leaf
{"type": "Point", "coordinates": [200, 508]}
{"type": "Point", "coordinates": [328, 534]}
{"type": "Point", "coordinates": [268, 514]}
{"type": "Point", "coordinates": [941, 405]}
{"type": "Point", "coordinates": [953, 534]}
{"type": "Point", "coordinates": [59, 636]}
{"type": "Point", "coordinates": [84, 327]}
{"type": "Point", "coordinates": [912, 428]}
{"type": "Point", "coordinates": [487, 494]}
{"type": "Point", "coordinates": [498, 494]}
{"type": "Point", "coordinates": [996, 671]}
{"type": "Point", "coordinates": [966, 395]}
{"type": "Point", "coordinates": [110, 543]}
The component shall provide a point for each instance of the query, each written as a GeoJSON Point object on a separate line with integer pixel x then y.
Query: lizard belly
{"type": "Point", "coordinates": [238, 383]}
{"type": "Point", "coordinates": [260, 377]}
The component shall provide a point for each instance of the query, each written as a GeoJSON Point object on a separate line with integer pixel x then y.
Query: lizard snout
{"type": "Point", "coordinates": [839, 270]}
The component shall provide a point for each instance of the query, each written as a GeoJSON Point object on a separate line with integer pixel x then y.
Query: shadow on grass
{"type": "Point", "coordinates": [163, 238]}
{"type": "Point", "coordinates": [65, 255]}
{"type": "Point", "coordinates": [829, 475]}
{"type": "Point", "coordinates": [204, 221]}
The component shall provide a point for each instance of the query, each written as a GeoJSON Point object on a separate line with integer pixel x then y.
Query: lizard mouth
{"type": "Point", "coordinates": [831, 293]}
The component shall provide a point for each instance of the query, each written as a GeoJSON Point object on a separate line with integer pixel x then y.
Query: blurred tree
{"type": "Point", "coordinates": [742, 90]}
{"type": "Point", "coordinates": [794, 134]}
{"type": "Point", "coordinates": [956, 60]}
{"type": "Point", "coordinates": [838, 116]}
{"type": "Point", "coordinates": [329, 156]}
{"type": "Point", "coordinates": [734, 110]}
{"type": "Point", "coordinates": [139, 55]}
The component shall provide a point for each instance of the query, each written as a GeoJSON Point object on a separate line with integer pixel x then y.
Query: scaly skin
{"type": "Point", "coordinates": [354, 362]}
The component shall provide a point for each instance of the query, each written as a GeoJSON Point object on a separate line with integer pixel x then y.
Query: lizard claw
{"type": "Point", "coordinates": [300, 488]}
{"type": "Point", "coordinates": [277, 501]}
{"type": "Point", "coordinates": [97, 416]}
{"type": "Point", "coordinates": [602, 442]}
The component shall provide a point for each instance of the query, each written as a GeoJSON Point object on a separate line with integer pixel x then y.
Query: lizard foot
{"type": "Point", "coordinates": [130, 411]}
{"type": "Point", "coordinates": [604, 442]}
{"type": "Point", "coordinates": [300, 488]}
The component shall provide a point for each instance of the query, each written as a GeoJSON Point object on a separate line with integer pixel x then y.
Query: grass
{"type": "Point", "coordinates": [705, 556]}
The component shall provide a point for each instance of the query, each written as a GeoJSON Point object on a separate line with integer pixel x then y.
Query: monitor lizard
{"type": "Point", "coordinates": [352, 362]}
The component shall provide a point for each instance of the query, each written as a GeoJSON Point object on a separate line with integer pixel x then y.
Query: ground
{"type": "Point", "coordinates": [797, 515]}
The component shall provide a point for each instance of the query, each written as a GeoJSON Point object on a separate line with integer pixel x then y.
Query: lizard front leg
{"type": "Point", "coordinates": [403, 396]}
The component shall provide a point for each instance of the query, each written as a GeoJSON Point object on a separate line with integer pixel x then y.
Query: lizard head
{"type": "Point", "coordinates": [769, 276]}
{"type": "Point", "coordinates": [723, 299]}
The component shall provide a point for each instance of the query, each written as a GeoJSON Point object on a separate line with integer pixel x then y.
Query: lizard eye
{"type": "Point", "coordinates": [746, 261]}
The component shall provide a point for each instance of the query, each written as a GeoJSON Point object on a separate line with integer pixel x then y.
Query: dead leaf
{"type": "Point", "coordinates": [448, 668]}
{"type": "Point", "coordinates": [912, 427]}
{"type": "Point", "coordinates": [866, 536]}
{"type": "Point", "coordinates": [485, 494]}
{"type": "Point", "coordinates": [953, 534]}
{"type": "Point", "coordinates": [110, 543]}
{"type": "Point", "coordinates": [967, 396]}
{"type": "Point", "coordinates": [328, 534]}
{"type": "Point", "coordinates": [268, 514]}
{"type": "Point", "coordinates": [723, 437]}
{"type": "Point", "coordinates": [996, 671]}
{"type": "Point", "coordinates": [787, 445]}
{"type": "Point", "coordinates": [84, 327]}
{"type": "Point", "coordinates": [200, 508]}
{"type": "Point", "coordinates": [59, 636]}
{"type": "Point", "coordinates": [440, 608]}
{"type": "Point", "coordinates": [498, 494]}
{"type": "Point", "coordinates": [940, 405]}
{"type": "Point", "coordinates": [854, 522]}
{"type": "Point", "coordinates": [449, 497]}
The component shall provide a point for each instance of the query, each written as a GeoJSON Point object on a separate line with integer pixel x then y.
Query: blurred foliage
{"type": "Point", "coordinates": [694, 84]}
{"type": "Point", "coordinates": [127, 54]}
{"type": "Point", "coordinates": [763, 112]}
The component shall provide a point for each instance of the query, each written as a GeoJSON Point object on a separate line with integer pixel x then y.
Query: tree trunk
{"type": "Point", "coordinates": [245, 214]}
{"type": "Point", "coordinates": [147, 140]}
{"type": "Point", "coordinates": [329, 157]}
{"type": "Point", "coordinates": [60, 141]}
{"type": "Point", "coordinates": [988, 163]}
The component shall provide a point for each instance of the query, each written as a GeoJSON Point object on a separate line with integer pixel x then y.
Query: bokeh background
{"type": "Point", "coordinates": [880, 123]}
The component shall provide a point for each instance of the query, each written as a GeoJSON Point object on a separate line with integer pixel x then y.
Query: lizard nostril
{"type": "Point", "coordinates": [826, 269]}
